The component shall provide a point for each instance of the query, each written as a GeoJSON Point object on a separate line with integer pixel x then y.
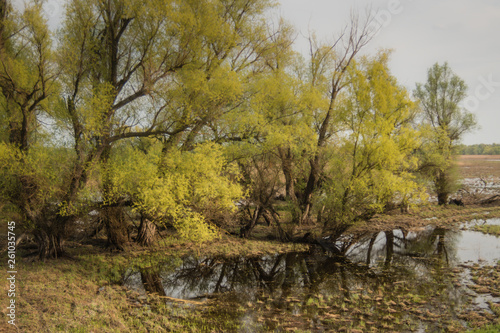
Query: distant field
{"type": "Point", "coordinates": [479, 157]}
{"type": "Point", "coordinates": [479, 166]}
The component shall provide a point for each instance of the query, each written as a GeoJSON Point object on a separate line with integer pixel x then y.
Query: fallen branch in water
{"type": "Point", "coordinates": [180, 300]}
{"type": "Point", "coordinates": [491, 200]}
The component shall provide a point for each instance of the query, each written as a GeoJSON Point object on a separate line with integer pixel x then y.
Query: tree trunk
{"type": "Point", "coordinates": [310, 187]}
{"type": "Point", "coordinates": [115, 226]}
{"type": "Point", "coordinates": [147, 233]}
{"type": "Point", "coordinates": [405, 206]}
{"type": "Point", "coordinates": [289, 185]}
{"type": "Point", "coordinates": [245, 231]}
{"type": "Point", "coordinates": [319, 219]}
{"type": "Point", "coordinates": [50, 245]}
{"type": "Point", "coordinates": [443, 185]}
{"type": "Point", "coordinates": [271, 215]}
{"type": "Point", "coordinates": [287, 168]}
{"type": "Point", "coordinates": [442, 198]}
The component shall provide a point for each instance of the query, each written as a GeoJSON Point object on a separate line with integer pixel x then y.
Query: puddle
{"type": "Point", "coordinates": [478, 247]}
{"type": "Point", "coordinates": [493, 221]}
{"type": "Point", "coordinates": [390, 278]}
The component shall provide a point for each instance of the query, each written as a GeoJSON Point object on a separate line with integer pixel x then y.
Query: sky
{"type": "Point", "coordinates": [420, 32]}
{"type": "Point", "coordinates": [462, 32]}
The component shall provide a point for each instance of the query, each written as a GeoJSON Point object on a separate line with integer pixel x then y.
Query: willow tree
{"type": "Point", "coordinates": [114, 55]}
{"type": "Point", "coordinates": [278, 140]}
{"type": "Point", "coordinates": [194, 188]}
{"type": "Point", "coordinates": [31, 177]}
{"type": "Point", "coordinates": [327, 78]}
{"type": "Point", "coordinates": [161, 69]}
{"type": "Point", "coordinates": [236, 43]}
{"type": "Point", "coordinates": [446, 122]}
{"type": "Point", "coordinates": [373, 166]}
{"type": "Point", "coordinates": [269, 131]}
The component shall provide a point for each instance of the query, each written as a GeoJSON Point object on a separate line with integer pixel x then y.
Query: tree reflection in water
{"type": "Point", "coordinates": [387, 278]}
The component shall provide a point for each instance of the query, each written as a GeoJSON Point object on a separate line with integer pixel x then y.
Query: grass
{"type": "Point", "coordinates": [62, 296]}
{"type": "Point", "coordinates": [85, 295]}
{"type": "Point", "coordinates": [488, 229]}
{"type": "Point", "coordinates": [487, 329]}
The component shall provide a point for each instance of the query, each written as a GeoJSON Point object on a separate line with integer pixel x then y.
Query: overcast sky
{"type": "Point", "coordinates": [464, 33]}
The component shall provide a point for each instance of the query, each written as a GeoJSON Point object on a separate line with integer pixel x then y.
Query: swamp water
{"type": "Point", "coordinates": [386, 281]}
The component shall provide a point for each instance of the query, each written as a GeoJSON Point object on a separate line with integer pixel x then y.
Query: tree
{"type": "Point", "coordinates": [279, 138]}
{"type": "Point", "coordinates": [266, 130]}
{"type": "Point", "coordinates": [372, 167]}
{"type": "Point", "coordinates": [195, 187]}
{"type": "Point", "coordinates": [29, 160]}
{"type": "Point", "coordinates": [446, 123]}
{"type": "Point", "coordinates": [159, 69]}
{"type": "Point", "coordinates": [115, 55]}
{"type": "Point", "coordinates": [327, 78]}
{"type": "Point", "coordinates": [174, 110]}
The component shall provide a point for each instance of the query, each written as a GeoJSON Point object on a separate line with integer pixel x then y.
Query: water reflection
{"type": "Point", "coordinates": [381, 249]}
{"type": "Point", "coordinates": [405, 274]}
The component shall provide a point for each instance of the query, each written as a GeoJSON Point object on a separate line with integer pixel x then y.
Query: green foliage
{"type": "Point", "coordinates": [27, 74]}
{"type": "Point", "coordinates": [444, 124]}
{"type": "Point", "coordinates": [46, 171]}
{"type": "Point", "coordinates": [440, 99]}
{"type": "Point", "coordinates": [373, 166]}
{"type": "Point", "coordinates": [32, 171]}
{"type": "Point", "coordinates": [156, 69]}
{"type": "Point", "coordinates": [184, 192]}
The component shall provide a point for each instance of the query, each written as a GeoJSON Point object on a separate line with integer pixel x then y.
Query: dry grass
{"type": "Point", "coordinates": [479, 157]}
{"type": "Point", "coordinates": [477, 166]}
{"type": "Point", "coordinates": [63, 296]}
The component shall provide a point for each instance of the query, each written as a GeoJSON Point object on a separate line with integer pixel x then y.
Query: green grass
{"type": "Point", "coordinates": [488, 229]}
{"type": "Point", "coordinates": [487, 329]}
